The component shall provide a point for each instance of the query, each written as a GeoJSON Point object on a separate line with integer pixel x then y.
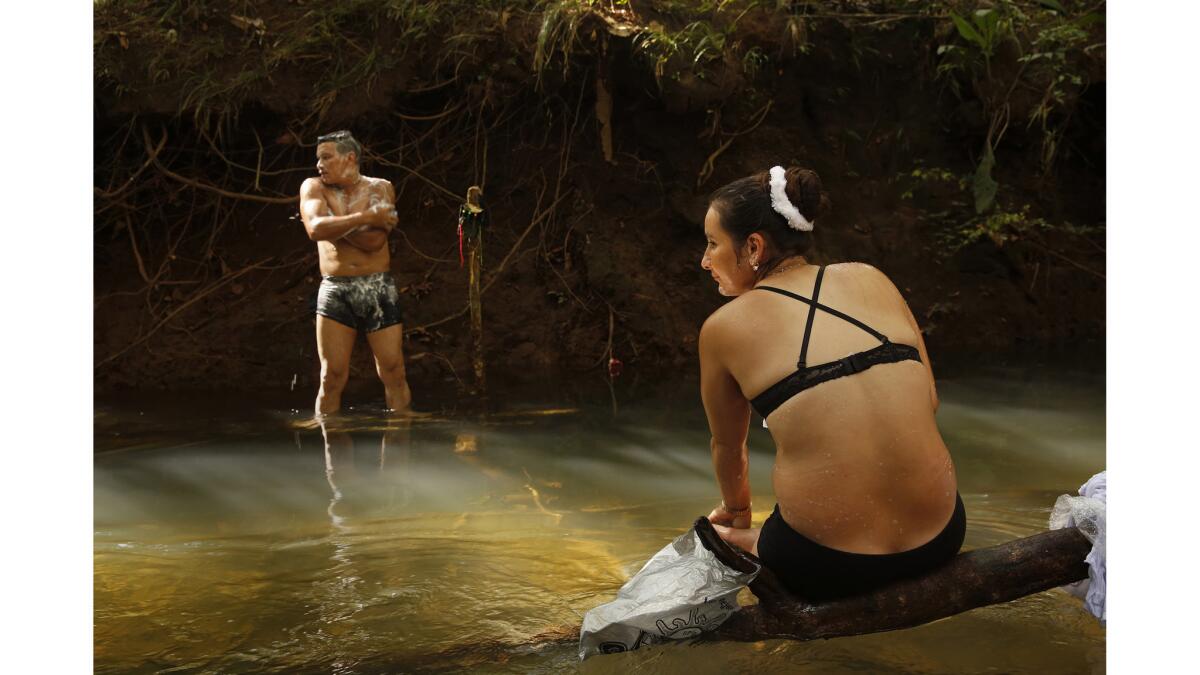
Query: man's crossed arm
{"type": "Point", "coordinates": [322, 225]}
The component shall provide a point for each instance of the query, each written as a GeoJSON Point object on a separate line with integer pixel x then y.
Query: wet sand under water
{"type": "Point", "coordinates": [239, 543]}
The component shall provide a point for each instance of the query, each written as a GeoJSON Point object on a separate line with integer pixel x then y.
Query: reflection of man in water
{"type": "Point", "coordinates": [365, 483]}
{"type": "Point", "coordinates": [368, 492]}
{"type": "Point", "coordinates": [349, 215]}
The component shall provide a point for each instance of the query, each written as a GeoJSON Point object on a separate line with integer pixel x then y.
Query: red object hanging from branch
{"type": "Point", "coordinates": [461, 260]}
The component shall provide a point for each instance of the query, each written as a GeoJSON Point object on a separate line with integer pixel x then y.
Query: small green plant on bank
{"type": "Point", "coordinates": [921, 178]}
{"type": "Point", "coordinates": [418, 18]}
{"type": "Point", "coordinates": [754, 62]}
{"type": "Point", "coordinates": [1001, 227]}
{"type": "Point", "coordinates": [674, 38]}
{"type": "Point", "coordinates": [1006, 228]}
{"type": "Point", "coordinates": [1051, 61]}
{"type": "Point", "coordinates": [985, 30]}
{"type": "Point", "coordinates": [558, 34]}
{"type": "Point", "coordinates": [1050, 44]}
{"type": "Point", "coordinates": [697, 44]}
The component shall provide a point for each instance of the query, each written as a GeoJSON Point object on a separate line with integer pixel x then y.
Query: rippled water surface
{"type": "Point", "coordinates": [251, 541]}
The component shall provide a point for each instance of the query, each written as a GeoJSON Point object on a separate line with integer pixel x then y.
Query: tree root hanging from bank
{"type": "Point", "coordinates": [206, 186]}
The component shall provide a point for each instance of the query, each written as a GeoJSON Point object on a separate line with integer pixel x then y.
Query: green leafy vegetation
{"type": "Point", "coordinates": [922, 179]}
{"type": "Point", "coordinates": [1049, 45]}
{"type": "Point", "coordinates": [1007, 228]}
{"type": "Point", "coordinates": [1016, 59]}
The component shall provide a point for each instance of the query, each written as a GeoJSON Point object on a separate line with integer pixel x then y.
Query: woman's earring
{"type": "Point", "coordinates": [754, 265]}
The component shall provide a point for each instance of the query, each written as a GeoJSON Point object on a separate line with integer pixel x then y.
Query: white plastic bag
{"type": "Point", "coordinates": [681, 592]}
{"type": "Point", "coordinates": [1088, 513]}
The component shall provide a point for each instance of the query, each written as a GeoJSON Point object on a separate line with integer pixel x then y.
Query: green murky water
{"type": "Point", "coordinates": [244, 542]}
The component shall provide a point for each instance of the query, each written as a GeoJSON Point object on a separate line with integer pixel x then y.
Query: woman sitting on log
{"type": "Point", "coordinates": [832, 359]}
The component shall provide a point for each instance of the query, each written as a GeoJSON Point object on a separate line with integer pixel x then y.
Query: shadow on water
{"type": "Point", "coordinates": [237, 537]}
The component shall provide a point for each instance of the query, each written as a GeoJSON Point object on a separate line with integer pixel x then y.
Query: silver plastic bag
{"type": "Point", "coordinates": [679, 593]}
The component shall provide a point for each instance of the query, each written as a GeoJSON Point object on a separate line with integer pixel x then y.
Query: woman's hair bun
{"type": "Point", "coordinates": [805, 192]}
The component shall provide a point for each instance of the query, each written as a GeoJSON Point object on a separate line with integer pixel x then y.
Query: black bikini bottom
{"type": "Point", "coordinates": [816, 573]}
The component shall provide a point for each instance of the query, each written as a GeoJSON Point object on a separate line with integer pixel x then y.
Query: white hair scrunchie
{"type": "Point", "coordinates": [783, 206]}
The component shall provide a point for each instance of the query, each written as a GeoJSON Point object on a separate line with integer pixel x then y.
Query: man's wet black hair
{"type": "Point", "coordinates": [346, 143]}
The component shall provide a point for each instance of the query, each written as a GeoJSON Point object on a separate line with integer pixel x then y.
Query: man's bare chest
{"type": "Point", "coordinates": [346, 201]}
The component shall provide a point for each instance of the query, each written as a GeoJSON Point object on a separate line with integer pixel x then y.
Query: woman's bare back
{"type": "Point", "coordinates": [860, 465]}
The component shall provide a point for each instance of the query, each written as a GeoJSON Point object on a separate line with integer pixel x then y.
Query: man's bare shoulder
{"type": "Point", "coordinates": [311, 188]}
{"type": "Point", "coordinates": [381, 186]}
{"type": "Point", "coordinates": [377, 182]}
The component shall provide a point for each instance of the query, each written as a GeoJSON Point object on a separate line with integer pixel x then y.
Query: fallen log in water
{"type": "Point", "coordinates": [974, 579]}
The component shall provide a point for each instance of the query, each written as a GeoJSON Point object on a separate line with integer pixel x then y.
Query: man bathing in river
{"type": "Point", "coordinates": [350, 215]}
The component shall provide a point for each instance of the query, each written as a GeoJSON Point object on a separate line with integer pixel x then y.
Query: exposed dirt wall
{"type": "Point", "coordinates": [199, 289]}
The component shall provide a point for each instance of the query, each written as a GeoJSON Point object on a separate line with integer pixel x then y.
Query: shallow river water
{"type": "Point", "coordinates": [250, 541]}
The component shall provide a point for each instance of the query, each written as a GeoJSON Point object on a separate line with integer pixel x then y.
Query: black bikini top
{"type": "Point", "coordinates": [805, 377]}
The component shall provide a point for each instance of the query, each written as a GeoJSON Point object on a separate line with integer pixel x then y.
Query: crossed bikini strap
{"type": "Point", "coordinates": [812, 314]}
{"type": "Point", "coordinates": [813, 306]}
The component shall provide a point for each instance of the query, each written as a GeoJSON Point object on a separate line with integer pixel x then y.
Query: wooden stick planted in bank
{"type": "Point", "coordinates": [472, 217]}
